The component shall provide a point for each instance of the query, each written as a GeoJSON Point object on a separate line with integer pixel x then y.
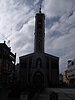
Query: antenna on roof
{"type": "Point", "coordinates": [8, 43]}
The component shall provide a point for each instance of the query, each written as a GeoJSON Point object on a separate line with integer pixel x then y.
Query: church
{"type": "Point", "coordinates": [39, 67]}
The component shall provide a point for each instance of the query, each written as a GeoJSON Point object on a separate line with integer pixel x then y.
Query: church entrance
{"type": "Point", "coordinates": [38, 78]}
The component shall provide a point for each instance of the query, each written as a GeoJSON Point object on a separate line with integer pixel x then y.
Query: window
{"type": "Point", "coordinates": [39, 63]}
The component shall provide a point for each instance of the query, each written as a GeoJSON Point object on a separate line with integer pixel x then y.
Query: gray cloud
{"type": "Point", "coordinates": [60, 36]}
{"type": "Point", "coordinates": [17, 25]}
{"type": "Point", "coordinates": [58, 7]}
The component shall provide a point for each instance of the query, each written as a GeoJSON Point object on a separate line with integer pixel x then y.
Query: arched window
{"type": "Point", "coordinates": [38, 63]}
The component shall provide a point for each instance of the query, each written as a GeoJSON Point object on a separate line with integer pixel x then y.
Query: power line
{"type": "Point", "coordinates": [3, 36]}
{"type": "Point", "coordinates": [8, 41]}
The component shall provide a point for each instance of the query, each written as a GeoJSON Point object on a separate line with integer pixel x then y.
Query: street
{"type": "Point", "coordinates": [63, 94]}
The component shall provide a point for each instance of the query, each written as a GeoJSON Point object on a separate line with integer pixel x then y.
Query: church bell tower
{"type": "Point", "coordinates": [39, 68]}
{"type": "Point", "coordinates": [39, 32]}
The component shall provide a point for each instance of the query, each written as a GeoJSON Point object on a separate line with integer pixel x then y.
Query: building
{"type": "Point", "coordinates": [39, 68]}
{"type": "Point", "coordinates": [17, 71]}
{"type": "Point", "coordinates": [65, 77]}
{"type": "Point", "coordinates": [71, 71]}
{"type": "Point", "coordinates": [60, 79]}
{"type": "Point", "coordinates": [7, 65]}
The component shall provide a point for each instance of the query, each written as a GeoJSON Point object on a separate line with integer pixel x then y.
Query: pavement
{"type": "Point", "coordinates": [63, 94]}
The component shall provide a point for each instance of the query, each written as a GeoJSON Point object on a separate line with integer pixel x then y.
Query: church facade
{"type": "Point", "coordinates": [39, 67]}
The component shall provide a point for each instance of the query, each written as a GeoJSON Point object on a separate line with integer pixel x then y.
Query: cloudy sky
{"type": "Point", "coordinates": [17, 24]}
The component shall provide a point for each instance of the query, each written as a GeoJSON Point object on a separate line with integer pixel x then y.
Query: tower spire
{"type": "Point", "coordinates": [40, 9]}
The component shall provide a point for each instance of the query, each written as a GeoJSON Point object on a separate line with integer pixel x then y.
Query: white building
{"type": "Point", "coordinates": [71, 71]}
